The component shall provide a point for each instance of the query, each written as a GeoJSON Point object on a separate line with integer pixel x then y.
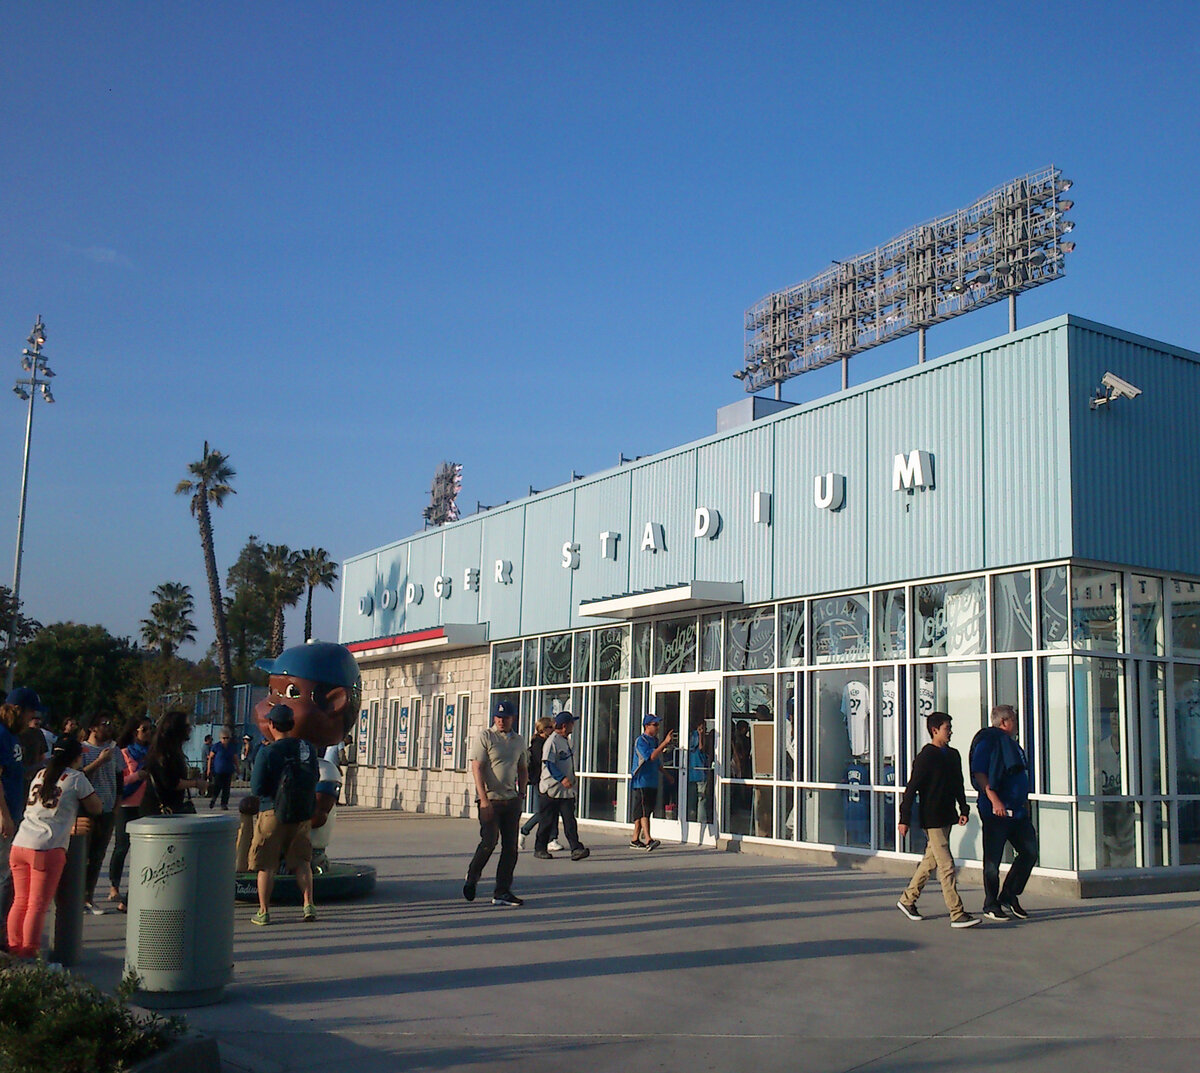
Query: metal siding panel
{"type": "Point", "coordinates": [461, 549]}
{"type": "Point", "coordinates": [601, 506]}
{"type": "Point", "coordinates": [358, 580]}
{"type": "Point", "coordinates": [392, 573]}
{"type": "Point", "coordinates": [937, 530]}
{"type": "Point", "coordinates": [1026, 450]}
{"type": "Point", "coordinates": [820, 550]}
{"type": "Point", "coordinates": [1135, 462]}
{"type": "Point", "coordinates": [728, 473]}
{"type": "Point", "coordinates": [500, 604]}
{"type": "Point", "coordinates": [545, 583]}
{"type": "Point", "coordinates": [664, 492]}
{"type": "Point", "coordinates": [424, 565]}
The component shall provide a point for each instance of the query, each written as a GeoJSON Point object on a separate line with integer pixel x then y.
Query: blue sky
{"type": "Point", "coordinates": [343, 242]}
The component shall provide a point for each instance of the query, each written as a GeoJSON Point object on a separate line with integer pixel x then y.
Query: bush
{"type": "Point", "coordinates": [49, 1020]}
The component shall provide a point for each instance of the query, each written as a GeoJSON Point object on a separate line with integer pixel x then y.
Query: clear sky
{"type": "Point", "coordinates": [345, 241]}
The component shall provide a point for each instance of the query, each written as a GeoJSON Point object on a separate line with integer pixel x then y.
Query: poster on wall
{"type": "Point", "coordinates": [402, 738]}
{"type": "Point", "coordinates": [448, 724]}
{"type": "Point", "coordinates": [363, 734]}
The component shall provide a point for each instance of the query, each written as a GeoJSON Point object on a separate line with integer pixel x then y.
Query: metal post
{"type": "Point", "coordinates": [66, 946]}
{"type": "Point", "coordinates": [1012, 312]}
{"type": "Point", "coordinates": [845, 373]}
{"type": "Point", "coordinates": [778, 391]}
{"type": "Point", "coordinates": [920, 346]}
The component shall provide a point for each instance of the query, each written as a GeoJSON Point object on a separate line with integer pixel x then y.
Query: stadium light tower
{"type": "Point", "coordinates": [33, 361]}
{"type": "Point", "coordinates": [1008, 241]}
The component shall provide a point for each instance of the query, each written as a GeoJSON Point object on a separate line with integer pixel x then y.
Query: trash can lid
{"type": "Point", "coordinates": [174, 826]}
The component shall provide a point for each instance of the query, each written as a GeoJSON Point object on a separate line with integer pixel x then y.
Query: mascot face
{"type": "Point", "coordinates": [321, 685]}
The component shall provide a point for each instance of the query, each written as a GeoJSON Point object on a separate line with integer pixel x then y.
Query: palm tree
{"type": "Point", "coordinates": [283, 587]}
{"type": "Point", "coordinates": [209, 484]}
{"type": "Point", "coordinates": [170, 623]}
{"type": "Point", "coordinates": [318, 571]}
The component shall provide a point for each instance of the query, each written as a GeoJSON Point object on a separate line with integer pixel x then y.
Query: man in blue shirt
{"type": "Point", "coordinates": [647, 762]}
{"type": "Point", "coordinates": [1000, 770]}
{"type": "Point", "coordinates": [222, 760]}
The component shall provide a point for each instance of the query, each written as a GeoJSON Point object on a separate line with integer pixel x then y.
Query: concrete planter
{"type": "Point", "coordinates": [193, 1052]}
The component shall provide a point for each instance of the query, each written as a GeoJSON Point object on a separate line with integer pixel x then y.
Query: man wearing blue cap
{"type": "Point", "coordinates": [647, 760]}
{"type": "Point", "coordinates": [499, 772]}
{"type": "Point", "coordinates": [558, 790]}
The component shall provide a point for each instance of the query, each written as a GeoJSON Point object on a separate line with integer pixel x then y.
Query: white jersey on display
{"type": "Point", "coordinates": [856, 707]}
{"type": "Point", "coordinates": [887, 719]}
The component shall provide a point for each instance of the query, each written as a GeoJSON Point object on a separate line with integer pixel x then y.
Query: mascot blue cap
{"type": "Point", "coordinates": [318, 661]}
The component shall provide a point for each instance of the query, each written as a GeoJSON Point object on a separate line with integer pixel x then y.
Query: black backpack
{"type": "Point", "coordinates": [296, 794]}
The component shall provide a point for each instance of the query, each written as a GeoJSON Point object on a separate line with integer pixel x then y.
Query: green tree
{"type": "Point", "coordinates": [17, 629]}
{"type": "Point", "coordinates": [246, 609]}
{"type": "Point", "coordinates": [78, 670]}
{"type": "Point", "coordinates": [209, 485]}
{"type": "Point", "coordinates": [285, 583]}
{"type": "Point", "coordinates": [318, 571]}
{"type": "Point", "coordinates": [170, 623]}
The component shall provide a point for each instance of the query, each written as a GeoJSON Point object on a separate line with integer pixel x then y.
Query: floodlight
{"type": "Point", "coordinates": [1067, 247]}
{"type": "Point", "coordinates": [20, 392]}
{"type": "Point", "coordinates": [1066, 206]}
{"type": "Point", "coordinates": [1066, 226]}
{"type": "Point", "coordinates": [47, 371]}
{"type": "Point", "coordinates": [46, 393]}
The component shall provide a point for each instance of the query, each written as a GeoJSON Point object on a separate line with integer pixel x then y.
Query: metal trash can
{"type": "Point", "coordinates": [179, 935]}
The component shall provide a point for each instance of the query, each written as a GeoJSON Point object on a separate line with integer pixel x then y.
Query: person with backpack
{"type": "Point", "coordinates": [284, 780]}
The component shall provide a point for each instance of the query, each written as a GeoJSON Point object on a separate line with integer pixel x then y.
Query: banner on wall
{"type": "Point", "coordinates": [448, 735]}
{"type": "Point", "coordinates": [402, 739]}
{"type": "Point", "coordinates": [363, 735]}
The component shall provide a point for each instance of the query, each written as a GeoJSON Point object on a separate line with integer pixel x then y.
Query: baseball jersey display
{"type": "Point", "coordinates": [856, 708]}
{"type": "Point", "coordinates": [858, 805]}
{"type": "Point", "coordinates": [887, 719]}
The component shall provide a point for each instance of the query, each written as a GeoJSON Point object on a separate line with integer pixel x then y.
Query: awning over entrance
{"type": "Point", "coordinates": [445, 638]}
{"type": "Point", "coordinates": [689, 597]}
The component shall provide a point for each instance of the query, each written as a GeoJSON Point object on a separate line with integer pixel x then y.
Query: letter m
{"type": "Point", "coordinates": [913, 471]}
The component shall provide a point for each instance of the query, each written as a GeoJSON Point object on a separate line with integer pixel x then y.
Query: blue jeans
{"type": "Point", "coordinates": [1020, 834]}
{"type": "Point", "coordinates": [502, 828]}
{"type": "Point", "coordinates": [535, 818]}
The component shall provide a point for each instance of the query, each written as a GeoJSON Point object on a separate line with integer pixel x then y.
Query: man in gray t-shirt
{"type": "Point", "coordinates": [102, 764]}
{"type": "Point", "coordinates": [499, 771]}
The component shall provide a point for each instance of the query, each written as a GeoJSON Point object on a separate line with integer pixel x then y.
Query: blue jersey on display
{"type": "Point", "coordinates": [858, 808]}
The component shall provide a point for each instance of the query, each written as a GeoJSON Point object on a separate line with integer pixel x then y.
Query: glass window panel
{"type": "Point", "coordinates": [1054, 825]}
{"type": "Point", "coordinates": [583, 656]}
{"type": "Point", "coordinates": [787, 823]}
{"type": "Point", "coordinates": [1012, 609]}
{"type": "Point", "coordinates": [951, 616]}
{"type": "Point", "coordinates": [1056, 725]}
{"type": "Point", "coordinates": [959, 690]}
{"type": "Point", "coordinates": [791, 634]}
{"type": "Point", "coordinates": [437, 732]}
{"type": "Point", "coordinates": [739, 809]}
{"type": "Point", "coordinates": [841, 713]}
{"type": "Point", "coordinates": [1152, 711]}
{"type": "Point", "coordinates": [612, 653]}
{"type": "Point", "coordinates": [463, 717]}
{"type": "Point", "coordinates": [891, 625]}
{"type": "Point", "coordinates": [1158, 853]}
{"type": "Point", "coordinates": [1189, 832]}
{"type": "Point", "coordinates": [885, 820]}
{"type": "Point", "coordinates": [641, 650]}
{"type": "Point", "coordinates": [825, 815]}
{"type": "Point", "coordinates": [598, 799]}
{"type": "Point", "coordinates": [675, 646]}
{"type": "Point", "coordinates": [1185, 617]}
{"type": "Point", "coordinates": [1146, 612]}
{"type": "Point", "coordinates": [553, 701]}
{"type": "Point", "coordinates": [506, 665]}
{"type": "Point", "coordinates": [841, 629]}
{"type": "Point", "coordinates": [1100, 766]}
{"type": "Point", "coordinates": [1095, 609]}
{"type": "Point", "coordinates": [1053, 618]}
{"type": "Point", "coordinates": [1187, 730]}
{"type": "Point", "coordinates": [556, 659]}
{"type": "Point", "coordinates": [610, 720]}
{"type": "Point", "coordinates": [710, 643]}
{"type": "Point", "coordinates": [750, 706]}
{"type": "Point", "coordinates": [790, 745]}
{"type": "Point", "coordinates": [887, 705]}
{"type": "Point", "coordinates": [529, 678]}
{"type": "Point", "coordinates": [750, 639]}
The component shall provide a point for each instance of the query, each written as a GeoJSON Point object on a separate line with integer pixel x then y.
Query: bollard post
{"type": "Point", "coordinates": [67, 944]}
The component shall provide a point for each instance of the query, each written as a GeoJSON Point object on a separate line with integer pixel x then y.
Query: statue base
{"type": "Point", "coordinates": [339, 881]}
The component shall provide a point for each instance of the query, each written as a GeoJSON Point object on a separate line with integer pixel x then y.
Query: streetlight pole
{"type": "Point", "coordinates": [33, 361]}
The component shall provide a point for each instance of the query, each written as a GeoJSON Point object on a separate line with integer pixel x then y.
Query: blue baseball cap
{"type": "Point", "coordinates": [318, 661]}
{"type": "Point", "coordinates": [650, 720]}
{"type": "Point", "coordinates": [505, 709]}
{"type": "Point", "coordinates": [24, 697]}
{"type": "Point", "coordinates": [563, 718]}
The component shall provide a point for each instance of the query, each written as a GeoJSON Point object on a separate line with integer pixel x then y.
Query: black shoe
{"type": "Point", "coordinates": [635, 843]}
{"type": "Point", "coordinates": [965, 921]}
{"type": "Point", "coordinates": [581, 853]}
{"type": "Point", "coordinates": [543, 855]}
{"type": "Point", "coordinates": [469, 890]}
{"type": "Point", "coordinates": [1014, 908]}
{"type": "Point", "coordinates": [995, 913]}
{"type": "Point", "coordinates": [910, 911]}
{"type": "Point", "coordinates": [654, 843]}
{"type": "Point", "coordinates": [507, 899]}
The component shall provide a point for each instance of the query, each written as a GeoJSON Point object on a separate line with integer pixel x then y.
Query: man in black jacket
{"type": "Point", "coordinates": [937, 776]}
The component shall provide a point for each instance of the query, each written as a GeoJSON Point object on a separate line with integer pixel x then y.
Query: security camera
{"type": "Point", "coordinates": [1118, 388]}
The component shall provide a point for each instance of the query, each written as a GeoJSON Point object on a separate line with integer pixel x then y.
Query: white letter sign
{"type": "Point", "coordinates": [570, 556]}
{"type": "Point", "coordinates": [915, 471]}
{"type": "Point", "coordinates": [708, 523]}
{"type": "Point", "coordinates": [829, 491]}
{"type": "Point", "coordinates": [654, 539]}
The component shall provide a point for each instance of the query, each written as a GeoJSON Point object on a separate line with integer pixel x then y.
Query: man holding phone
{"type": "Point", "coordinates": [647, 761]}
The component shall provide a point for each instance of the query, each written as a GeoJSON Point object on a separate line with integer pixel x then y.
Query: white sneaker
{"type": "Point", "coordinates": [554, 847]}
{"type": "Point", "coordinates": [521, 840]}
{"type": "Point", "coordinates": [95, 910]}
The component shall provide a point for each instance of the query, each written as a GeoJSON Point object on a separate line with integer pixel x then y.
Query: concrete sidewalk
{"type": "Point", "coordinates": [686, 959]}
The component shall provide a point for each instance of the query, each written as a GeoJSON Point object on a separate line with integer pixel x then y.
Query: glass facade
{"type": "Point", "coordinates": [821, 704]}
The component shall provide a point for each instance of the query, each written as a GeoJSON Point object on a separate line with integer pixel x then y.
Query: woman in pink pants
{"type": "Point", "coordinates": [39, 849]}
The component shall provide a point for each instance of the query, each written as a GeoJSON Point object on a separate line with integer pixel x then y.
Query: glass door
{"type": "Point", "coordinates": [686, 807]}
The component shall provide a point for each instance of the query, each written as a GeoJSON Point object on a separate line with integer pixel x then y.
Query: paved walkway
{"type": "Point", "coordinates": [690, 960]}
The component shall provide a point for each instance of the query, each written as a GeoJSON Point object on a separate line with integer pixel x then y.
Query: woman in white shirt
{"type": "Point", "coordinates": [39, 849]}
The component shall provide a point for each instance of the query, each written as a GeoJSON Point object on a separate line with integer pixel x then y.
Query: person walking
{"type": "Point", "coordinates": [542, 729]}
{"type": "Point", "coordinates": [1000, 770]}
{"type": "Point", "coordinates": [558, 790]}
{"type": "Point", "coordinates": [499, 773]}
{"type": "Point", "coordinates": [937, 777]}
{"type": "Point", "coordinates": [134, 743]}
{"type": "Point", "coordinates": [647, 758]}
{"type": "Point", "coordinates": [222, 760]}
{"type": "Point", "coordinates": [58, 792]}
{"type": "Point", "coordinates": [104, 768]}
{"type": "Point", "coordinates": [284, 780]}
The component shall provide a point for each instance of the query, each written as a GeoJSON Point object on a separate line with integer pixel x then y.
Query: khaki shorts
{"type": "Point", "coordinates": [273, 840]}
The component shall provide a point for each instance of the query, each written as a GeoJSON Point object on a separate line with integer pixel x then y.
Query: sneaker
{"type": "Point", "coordinates": [635, 844]}
{"type": "Point", "coordinates": [1014, 908]}
{"type": "Point", "coordinates": [469, 890]}
{"type": "Point", "coordinates": [995, 913]}
{"type": "Point", "coordinates": [310, 914]}
{"type": "Point", "coordinates": [964, 921]}
{"type": "Point", "coordinates": [94, 909]}
{"type": "Point", "coordinates": [261, 919]}
{"type": "Point", "coordinates": [654, 843]}
{"type": "Point", "coordinates": [582, 853]}
{"type": "Point", "coordinates": [543, 855]}
{"type": "Point", "coordinates": [507, 899]}
{"type": "Point", "coordinates": [554, 847]}
{"type": "Point", "coordinates": [910, 911]}
{"type": "Point", "coordinates": [521, 840]}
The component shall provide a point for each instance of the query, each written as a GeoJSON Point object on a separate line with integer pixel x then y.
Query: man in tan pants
{"type": "Point", "coordinates": [937, 776]}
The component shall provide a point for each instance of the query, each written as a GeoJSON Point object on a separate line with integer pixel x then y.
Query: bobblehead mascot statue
{"type": "Point", "coordinates": [313, 693]}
